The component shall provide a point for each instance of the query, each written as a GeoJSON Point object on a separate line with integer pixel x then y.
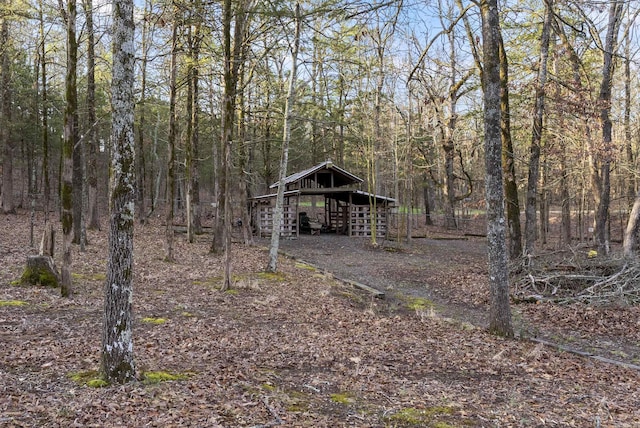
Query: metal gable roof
{"type": "Point", "coordinates": [346, 175]}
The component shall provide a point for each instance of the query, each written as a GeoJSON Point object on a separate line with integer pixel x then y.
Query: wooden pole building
{"type": "Point", "coordinates": [346, 210]}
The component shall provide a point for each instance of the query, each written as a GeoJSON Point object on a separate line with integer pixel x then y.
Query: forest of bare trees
{"type": "Point", "coordinates": [385, 91]}
{"type": "Point", "coordinates": [229, 95]}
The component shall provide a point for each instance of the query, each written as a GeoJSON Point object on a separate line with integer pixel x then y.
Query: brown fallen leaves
{"type": "Point", "coordinates": [294, 349]}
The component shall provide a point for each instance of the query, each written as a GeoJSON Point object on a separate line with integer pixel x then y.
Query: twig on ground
{"type": "Point", "coordinates": [271, 410]}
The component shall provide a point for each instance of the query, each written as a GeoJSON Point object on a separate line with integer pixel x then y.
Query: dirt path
{"type": "Point", "coordinates": [452, 273]}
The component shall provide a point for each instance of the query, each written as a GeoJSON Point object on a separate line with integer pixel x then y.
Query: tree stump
{"type": "Point", "coordinates": [47, 244]}
{"type": "Point", "coordinates": [41, 270]}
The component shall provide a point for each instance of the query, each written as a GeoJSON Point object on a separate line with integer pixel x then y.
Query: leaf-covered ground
{"type": "Point", "coordinates": [295, 349]}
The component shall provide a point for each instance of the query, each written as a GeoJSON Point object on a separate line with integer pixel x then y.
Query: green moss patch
{"type": "Point", "coordinates": [421, 417]}
{"type": "Point", "coordinates": [209, 282]}
{"type": "Point", "coordinates": [342, 398]}
{"type": "Point", "coordinates": [272, 276]}
{"type": "Point", "coordinates": [12, 303]}
{"type": "Point", "coordinates": [216, 281]}
{"type": "Point", "coordinates": [39, 277]}
{"type": "Point", "coordinates": [89, 277]}
{"type": "Point", "coordinates": [90, 378]}
{"type": "Point", "coordinates": [296, 401]}
{"type": "Point", "coordinates": [305, 266]}
{"type": "Point", "coordinates": [151, 378]}
{"type": "Point", "coordinates": [97, 383]}
{"type": "Point", "coordinates": [268, 387]}
{"type": "Point", "coordinates": [419, 304]}
{"type": "Point", "coordinates": [151, 320]}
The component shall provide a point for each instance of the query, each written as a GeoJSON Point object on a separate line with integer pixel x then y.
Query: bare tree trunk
{"type": "Point", "coordinates": [77, 183]}
{"type": "Point", "coordinates": [244, 165]}
{"type": "Point", "coordinates": [500, 312]}
{"type": "Point", "coordinates": [630, 242]}
{"type": "Point", "coordinates": [544, 201]}
{"type": "Point", "coordinates": [232, 59]}
{"type": "Point", "coordinates": [604, 100]}
{"type": "Point", "coordinates": [191, 150]}
{"type": "Point", "coordinates": [630, 178]}
{"type": "Point", "coordinates": [70, 138]}
{"type": "Point", "coordinates": [508, 158]}
{"type": "Point", "coordinates": [171, 161]}
{"type": "Point", "coordinates": [218, 225]}
{"type": "Point", "coordinates": [291, 94]}
{"type": "Point", "coordinates": [117, 363]}
{"type": "Point", "coordinates": [93, 220]}
{"type": "Point", "coordinates": [195, 139]}
{"type": "Point", "coordinates": [565, 196]}
{"type": "Point", "coordinates": [45, 117]}
{"type": "Point", "coordinates": [72, 112]}
{"type": "Point", "coordinates": [427, 203]}
{"type": "Point", "coordinates": [512, 201]}
{"type": "Point", "coordinates": [536, 136]}
{"type": "Point", "coordinates": [141, 170]}
{"type": "Point", "coordinates": [7, 202]}
{"type": "Point", "coordinates": [188, 149]}
{"type": "Point", "coordinates": [449, 189]}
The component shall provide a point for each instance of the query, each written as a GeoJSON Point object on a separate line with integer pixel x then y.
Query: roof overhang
{"type": "Point", "coordinates": [357, 197]}
{"type": "Point", "coordinates": [344, 177]}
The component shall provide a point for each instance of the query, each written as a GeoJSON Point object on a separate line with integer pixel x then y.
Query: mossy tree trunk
{"type": "Point", "coordinates": [536, 137]}
{"type": "Point", "coordinates": [500, 312]}
{"type": "Point", "coordinates": [7, 202]}
{"type": "Point", "coordinates": [93, 214]}
{"type": "Point", "coordinates": [508, 158]}
{"type": "Point", "coordinates": [508, 162]}
{"type": "Point", "coordinates": [69, 141]}
{"type": "Point", "coordinates": [71, 113]}
{"type": "Point", "coordinates": [117, 363]}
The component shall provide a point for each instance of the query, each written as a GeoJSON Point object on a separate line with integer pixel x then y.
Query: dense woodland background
{"type": "Point", "coordinates": [388, 90]}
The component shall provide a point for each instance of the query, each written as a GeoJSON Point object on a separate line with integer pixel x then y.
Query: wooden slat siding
{"type": "Point", "coordinates": [265, 221]}
{"type": "Point", "coordinates": [360, 221]}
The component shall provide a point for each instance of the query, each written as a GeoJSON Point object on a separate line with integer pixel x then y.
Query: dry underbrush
{"type": "Point", "coordinates": [582, 277]}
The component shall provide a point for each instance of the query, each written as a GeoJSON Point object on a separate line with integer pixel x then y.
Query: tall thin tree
{"type": "Point", "coordinates": [93, 215]}
{"type": "Point", "coordinates": [536, 134]}
{"type": "Point", "coordinates": [607, 150]}
{"type": "Point", "coordinates": [7, 202]}
{"type": "Point", "coordinates": [508, 157]}
{"type": "Point", "coordinates": [117, 363]}
{"type": "Point", "coordinates": [500, 312]}
{"type": "Point", "coordinates": [70, 138]}
{"type": "Point", "coordinates": [194, 40]}
{"type": "Point", "coordinates": [141, 171]}
{"type": "Point", "coordinates": [171, 149]}
{"type": "Point", "coordinates": [286, 138]}
{"type": "Point", "coordinates": [76, 151]}
{"type": "Point", "coordinates": [44, 103]}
